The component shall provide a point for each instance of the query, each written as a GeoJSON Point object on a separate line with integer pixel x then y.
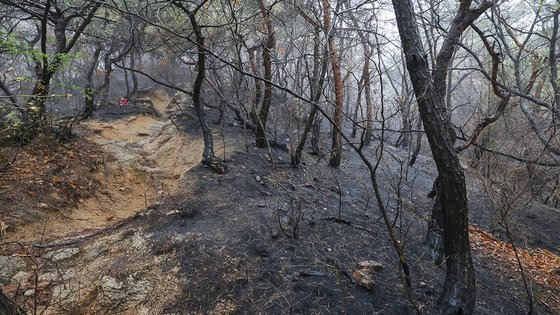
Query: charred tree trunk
{"type": "Point", "coordinates": [418, 145]}
{"type": "Point", "coordinates": [459, 292]}
{"type": "Point", "coordinates": [130, 95]}
{"type": "Point", "coordinates": [258, 86]}
{"type": "Point", "coordinates": [90, 90]}
{"type": "Point", "coordinates": [405, 136]}
{"type": "Point", "coordinates": [316, 135]}
{"type": "Point", "coordinates": [336, 147]}
{"type": "Point", "coordinates": [105, 87]}
{"type": "Point", "coordinates": [312, 120]}
{"type": "Point", "coordinates": [208, 152]}
{"type": "Point", "coordinates": [268, 49]}
{"type": "Point", "coordinates": [357, 109]}
{"type": "Point", "coordinates": [208, 157]}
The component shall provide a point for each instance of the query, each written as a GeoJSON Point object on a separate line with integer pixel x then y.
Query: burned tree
{"type": "Point", "coordinates": [208, 157]}
{"type": "Point", "coordinates": [459, 291]}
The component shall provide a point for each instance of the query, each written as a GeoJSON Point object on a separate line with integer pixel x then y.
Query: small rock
{"type": "Point", "coordinates": [138, 242]}
{"type": "Point", "coordinates": [261, 205]}
{"type": "Point", "coordinates": [29, 292]}
{"type": "Point", "coordinates": [62, 292]}
{"type": "Point", "coordinates": [274, 234]}
{"type": "Point", "coordinates": [258, 178]}
{"type": "Point", "coordinates": [243, 167]}
{"type": "Point", "coordinates": [49, 277]}
{"type": "Point", "coordinates": [43, 205]}
{"type": "Point", "coordinates": [20, 277]}
{"type": "Point", "coordinates": [116, 293]}
{"type": "Point", "coordinates": [363, 279]}
{"type": "Point", "coordinates": [370, 265]}
{"type": "Point", "coordinates": [9, 267]}
{"type": "Point", "coordinates": [61, 254]}
{"type": "Point", "coordinates": [94, 251]}
{"type": "Point", "coordinates": [3, 226]}
{"type": "Point", "coordinates": [110, 283]}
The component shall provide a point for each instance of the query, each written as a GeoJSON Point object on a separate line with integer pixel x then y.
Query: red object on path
{"type": "Point", "coordinates": [123, 102]}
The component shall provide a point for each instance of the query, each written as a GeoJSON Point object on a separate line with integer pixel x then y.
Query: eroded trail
{"type": "Point", "coordinates": [144, 158]}
{"type": "Point", "coordinates": [73, 249]}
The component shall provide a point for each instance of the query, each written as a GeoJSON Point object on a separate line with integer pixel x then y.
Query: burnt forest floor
{"type": "Point", "coordinates": [263, 238]}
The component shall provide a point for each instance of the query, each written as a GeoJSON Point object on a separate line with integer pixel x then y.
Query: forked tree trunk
{"type": "Point", "coordinates": [312, 120]}
{"type": "Point", "coordinates": [49, 66]}
{"type": "Point", "coordinates": [459, 291]}
{"type": "Point", "coordinates": [366, 78]}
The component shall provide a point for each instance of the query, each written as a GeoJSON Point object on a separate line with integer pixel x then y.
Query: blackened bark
{"type": "Point", "coordinates": [336, 146]}
{"type": "Point", "coordinates": [132, 93]}
{"type": "Point", "coordinates": [312, 118]}
{"type": "Point", "coordinates": [107, 71]}
{"type": "Point", "coordinates": [418, 145]}
{"type": "Point", "coordinates": [208, 157]}
{"type": "Point", "coordinates": [258, 86]}
{"type": "Point", "coordinates": [459, 291]}
{"type": "Point", "coordinates": [89, 90]}
{"type": "Point", "coordinates": [268, 49]}
{"type": "Point", "coordinates": [357, 108]}
{"type": "Point", "coordinates": [316, 135]}
{"type": "Point", "coordinates": [208, 152]}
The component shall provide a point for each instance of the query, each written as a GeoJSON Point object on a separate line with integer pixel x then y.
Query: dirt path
{"type": "Point", "coordinates": [145, 157]}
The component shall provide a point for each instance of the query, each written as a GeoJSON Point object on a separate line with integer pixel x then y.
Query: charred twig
{"type": "Point", "coordinates": [349, 223]}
